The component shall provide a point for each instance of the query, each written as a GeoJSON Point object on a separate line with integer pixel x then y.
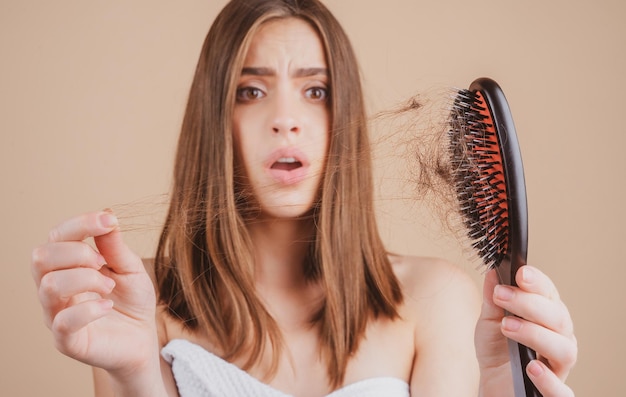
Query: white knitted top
{"type": "Point", "coordinates": [199, 373]}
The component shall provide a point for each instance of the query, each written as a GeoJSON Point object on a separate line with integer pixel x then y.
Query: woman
{"type": "Point", "coordinates": [270, 258]}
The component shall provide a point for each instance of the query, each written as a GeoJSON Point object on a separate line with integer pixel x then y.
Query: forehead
{"type": "Point", "coordinates": [286, 39]}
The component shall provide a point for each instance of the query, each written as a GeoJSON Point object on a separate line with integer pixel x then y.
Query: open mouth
{"type": "Point", "coordinates": [286, 164]}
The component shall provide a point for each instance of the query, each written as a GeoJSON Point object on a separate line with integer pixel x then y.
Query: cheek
{"type": "Point", "coordinates": [240, 138]}
{"type": "Point", "coordinates": [248, 162]}
{"type": "Point", "coordinates": [323, 142]}
{"type": "Point", "coordinates": [246, 137]}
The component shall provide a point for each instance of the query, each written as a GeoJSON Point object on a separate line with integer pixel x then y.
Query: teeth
{"type": "Point", "coordinates": [287, 160]}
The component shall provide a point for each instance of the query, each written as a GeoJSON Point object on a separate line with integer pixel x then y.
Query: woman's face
{"type": "Point", "coordinates": [281, 118]}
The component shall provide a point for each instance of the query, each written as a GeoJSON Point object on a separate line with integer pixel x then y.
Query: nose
{"type": "Point", "coordinates": [280, 126]}
{"type": "Point", "coordinates": [285, 118]}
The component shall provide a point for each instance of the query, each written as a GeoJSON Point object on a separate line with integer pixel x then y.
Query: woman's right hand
{"type": "Point", "coordinates": [99, 304]}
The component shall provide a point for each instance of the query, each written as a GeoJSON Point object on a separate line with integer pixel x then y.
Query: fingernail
{"type": "Point", "coordinates": [110, 283]}
{"type": "Point", "coordinates": [512, 324]}
{"type": "Point", "coordinates": [528, 275]}
{"type": "Point", "coordinates": [503, 292]}
{"type": "Point", "coordinates": [534, 368]}
{"type": "Point", "coordinates": [101, 260]}
{"type": "Point", "coordinates": [108, 220]}
{"type": "Point", "coordinates": [106, 304]}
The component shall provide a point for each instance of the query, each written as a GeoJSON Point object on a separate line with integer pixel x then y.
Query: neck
{"type": "Point", "coordinates": [280, 247]}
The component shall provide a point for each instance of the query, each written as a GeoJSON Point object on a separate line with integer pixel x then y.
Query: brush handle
{"type": "Point", "coordinates": [516, 255]}
{"type": "Point", "coordinates": [519, 355]}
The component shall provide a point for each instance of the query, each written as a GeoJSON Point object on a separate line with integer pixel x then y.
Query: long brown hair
{"type": "Point", "coordinates": [204, 262]}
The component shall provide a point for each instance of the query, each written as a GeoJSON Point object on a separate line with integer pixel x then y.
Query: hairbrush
{"type": "Point", "coordinates": [489, 182]}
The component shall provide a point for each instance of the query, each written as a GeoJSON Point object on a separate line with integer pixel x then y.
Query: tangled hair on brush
{"type": "Point", "coordinates": [420, 125]}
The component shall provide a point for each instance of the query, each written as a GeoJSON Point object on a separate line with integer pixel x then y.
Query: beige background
{"type": "Point", "coordinates": [91, 98]}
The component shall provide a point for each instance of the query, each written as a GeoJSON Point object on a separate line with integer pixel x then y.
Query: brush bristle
{"type": "Point", "coordinates": [479, 176]}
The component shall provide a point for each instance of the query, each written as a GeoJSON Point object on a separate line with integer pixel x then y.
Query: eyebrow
{"type": "Point", "coordinates": [301, 72]}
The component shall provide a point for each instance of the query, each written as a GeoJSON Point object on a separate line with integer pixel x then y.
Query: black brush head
{"type": "Point", "coordinates": [478, 175]}
{"type": "Point", "coordinates": [488, 174]}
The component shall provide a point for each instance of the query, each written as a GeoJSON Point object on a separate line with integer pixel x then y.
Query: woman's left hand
{"type": "Point", "coordinates": [544, 324]}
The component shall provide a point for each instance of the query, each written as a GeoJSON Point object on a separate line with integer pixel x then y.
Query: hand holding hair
{"type": "Point", "coordinates": [99, 304]}
{"type": "Point", "coordinates": [544, 324]}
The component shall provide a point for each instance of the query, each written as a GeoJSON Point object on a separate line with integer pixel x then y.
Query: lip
{"type": "Point", "coordinates": [287, 177]}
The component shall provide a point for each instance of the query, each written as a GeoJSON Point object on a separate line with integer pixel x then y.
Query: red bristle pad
{"type": "Point", "coordinates": [479, 176]}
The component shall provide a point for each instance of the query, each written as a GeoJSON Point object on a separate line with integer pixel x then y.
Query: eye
{"type": "Point", "coordinates": [317, 93]}
{"type": "Point", "coordinates": [247, 94]}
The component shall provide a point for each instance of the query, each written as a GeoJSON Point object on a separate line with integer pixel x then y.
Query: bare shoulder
{"type": "Point", "coordinates": [169, 327]}
{"type": "Point", "coordinates": [436, 292]}
{"type": "Point", "coordinates": [442, 302]}
{"type": "Point", "coordinates": [424, 278]}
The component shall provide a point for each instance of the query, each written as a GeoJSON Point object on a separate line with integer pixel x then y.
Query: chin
{"type": "Point", "coordinates": [290, 203]}
{"type": "Point", "coordinates": [287, 211]}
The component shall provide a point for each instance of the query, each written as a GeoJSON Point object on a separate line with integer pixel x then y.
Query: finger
{"type": "Point", "coordinates": [560, 351]}
{"type": "Point", "coordinates": [68, 322]}
{"type": "Point", "coordinates": [83, 226]}
{"type": "Point", "coordinates": [533, 280]}
{"type": "Point", "coordinates": [490, 311]}
{"type": "Point", "coordinates": [119, 257]}
{"type": "Point", "coordinates": [491, 345]}
{"type": "Point", "coordinates": [83, 297]}
{"type": "Point", "coordinates": [62, 285]}
{"type": "Point", "coordinates": [57, 288]}
{"type": "Point", "coordinates": [548, 384]}
{"type": "Point", "coordinates": [535, 308]}
{"type": "Point", "coordinates": [63, 255]}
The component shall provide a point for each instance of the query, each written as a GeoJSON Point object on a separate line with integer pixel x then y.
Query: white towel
{"type": "Point", "coordinates": [199, 373]}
